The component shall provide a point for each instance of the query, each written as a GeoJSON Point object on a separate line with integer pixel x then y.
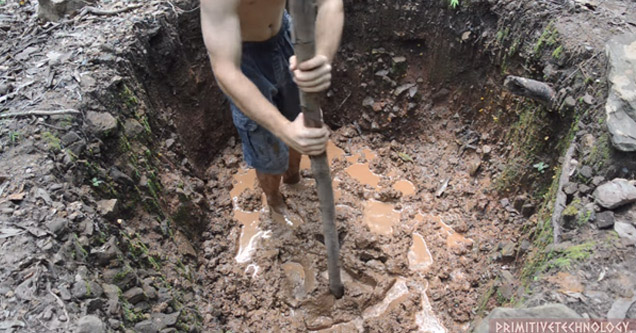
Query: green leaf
{"type": "Point", "coordinates": [454, 3]}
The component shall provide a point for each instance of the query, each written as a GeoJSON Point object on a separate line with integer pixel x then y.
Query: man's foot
{"type": "Point", "coordinates": [285, 216]}
{"type": "Point", "coordinates": [291, 178]}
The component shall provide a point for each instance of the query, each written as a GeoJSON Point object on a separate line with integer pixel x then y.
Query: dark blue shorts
{"type": "Point", "coordinates": [266, 64]}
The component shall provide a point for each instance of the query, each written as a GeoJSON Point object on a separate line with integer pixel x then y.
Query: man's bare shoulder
{"type": "Point", "coordinates": [217, 9]}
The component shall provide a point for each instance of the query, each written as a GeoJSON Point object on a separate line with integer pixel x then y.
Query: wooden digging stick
{"type": "Point", "coordinates": [304, 15]}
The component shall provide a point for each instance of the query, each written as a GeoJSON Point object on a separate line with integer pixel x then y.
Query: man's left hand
{"type": "Point", "coordinates": [313, 75]}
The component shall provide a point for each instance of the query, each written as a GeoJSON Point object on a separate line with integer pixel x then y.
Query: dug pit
{"type": "Point", "coordinates": [421, 143]}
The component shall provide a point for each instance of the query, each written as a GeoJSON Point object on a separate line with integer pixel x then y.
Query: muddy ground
{"type": "Point", "coordinates": [132, 210]}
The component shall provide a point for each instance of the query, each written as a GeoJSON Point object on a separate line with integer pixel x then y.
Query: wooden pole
{"type": "Point", "coordinates": [304, 16]}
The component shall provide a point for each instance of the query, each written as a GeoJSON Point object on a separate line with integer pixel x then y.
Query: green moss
{"type": "Point", "coordinates": [52, 141]}
{"type": "Point", "coordinates": [548, 37]}
{"type": "Point", "coordinates": [128, 97]}
{"type": "Point", "coordinates": [558, 52]}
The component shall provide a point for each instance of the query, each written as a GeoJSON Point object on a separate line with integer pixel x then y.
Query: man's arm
{"type": "Point", "coordinates": [314, 75]}
{"type": "Point", "coordinates": [221, 30]}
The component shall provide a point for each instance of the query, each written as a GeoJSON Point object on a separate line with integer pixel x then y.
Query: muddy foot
{"type": "Point", "coordinates": [285, 216]}
{"type": "Point", "coordinates": [291, 179]}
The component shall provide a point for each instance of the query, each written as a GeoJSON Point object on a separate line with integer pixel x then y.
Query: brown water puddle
{"type": "Point", "coordinates": [406, 187]}
{"type": "Point", "coordinates": [380, 217]}
{"type": "Point", "coordinates": [419, 256]}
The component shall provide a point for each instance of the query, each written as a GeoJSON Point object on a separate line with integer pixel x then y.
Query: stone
{"type": "Point", "coordinates": [615, 193]}
{"type": "Point", "coordinates": [90, 324]}
{"type": "Point", "coordinates": [69, 138]}
{"type": "Point", "coordinates": [548, 311]}
{"type": "Point", "coordinates": [103, 124]}
{"type": "Point", "coordinates": [120, 177]}
{"type": "Point", "coordinates": [111, 291]}
{"type": "Point", "coordinates": [80, 290]}
{"type": "Point", "coordinates": [508, 251]}
{"type": "Point", "coordinates": [133, 128]}
{"type": "Point", "coordinates": [399, 65]}
{"type": "Point", "coordinates": [586, 172]}
{"type": "Point", "coordinates": [57, 225]}
{"type": "Point", "coordinates": [135, 295]}
{"type": "Point", "coordinates": [106, 252]}
{"type": "Point", "coordinates": [78, 147]}
{"type": "Point", "coordinates": [621, 102]}
{"type": "Point", "coordinates": [605, 220]}
{"type": "Point", "coordinates": [570, 188]}
{"type": "Point", "coordinates": [146, 326]}
{"type": "Point", "coordinates": [162, 320]}
{"type": "Point", "coordinates": [368, 101]}
{"type": "Point", "coordinates": [107, 208]}
{"type": "Point", "coordinates": [626, 230]}
{"type": "Point", "coordinates": [54, 10]}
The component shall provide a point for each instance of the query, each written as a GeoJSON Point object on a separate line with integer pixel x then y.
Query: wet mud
{"type": "Point", "coordinates": [410, 260]}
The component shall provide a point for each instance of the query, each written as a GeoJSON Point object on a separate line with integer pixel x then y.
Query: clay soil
{"type": "Point", "coordinates": [434, 229]}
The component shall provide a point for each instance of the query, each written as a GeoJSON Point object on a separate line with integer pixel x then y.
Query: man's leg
{"type": "Point", "coordinates": [292, 175]}
{"type": "Point", "coordinates": [271, 186]}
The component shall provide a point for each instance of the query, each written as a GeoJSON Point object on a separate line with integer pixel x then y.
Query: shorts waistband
{"type": "Point", "coordinates": [274, 40]}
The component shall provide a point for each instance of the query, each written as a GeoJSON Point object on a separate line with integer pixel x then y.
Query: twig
{"type": "Point", "coordinates": [561, 197]}
{"type": "Point", "coordinates": [17, 91]}
{"type": "Point", "coordinates": [38, 113]}
{"type": "Point", "coordinates": [343, 101]}
{"type": "Point", "coordinates": [99, 11]}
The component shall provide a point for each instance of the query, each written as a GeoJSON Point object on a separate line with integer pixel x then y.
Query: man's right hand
{"type": "Point", "coordinates": [305, 140]}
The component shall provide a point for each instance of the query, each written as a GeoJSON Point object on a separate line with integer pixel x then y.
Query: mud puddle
{"type": "Point", "coordinates": [385, 249]}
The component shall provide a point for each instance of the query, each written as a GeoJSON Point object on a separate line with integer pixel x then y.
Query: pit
{"type": "Point", "coordinates": [435, 169]}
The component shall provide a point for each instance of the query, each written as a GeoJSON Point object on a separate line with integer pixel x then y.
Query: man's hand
{"type": "Point", "coordinates": [313, 75]}
{"type": "Point", "coordinates": [305, 140]}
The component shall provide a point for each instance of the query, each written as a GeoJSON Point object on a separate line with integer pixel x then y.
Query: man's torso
{"type": "Point", "coordinates": [260, 19]}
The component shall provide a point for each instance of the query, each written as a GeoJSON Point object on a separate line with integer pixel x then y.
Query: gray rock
{"type": "Point", "coordinates": [626, 230]}
{"type": "Point", "coordinates": [111, 291]}
{"type": "Point", "coordinates": [102, 123]}
{"type": "Point", "coordinates": [146, 326]}
{"type": "Point", "coordinates": [548, 311]}
{"type": "Point", "coordinates": [80, 289]}
{"type": "Point", "coordinates": [368, 101]}
{"type": "Point", "coordinates": [586, 172]}
{"type": "Point", "coordinates": [120, 177]}
{"type": "Point", "coordinates": [106, 252]}
{"type": "Point", "coordinates": [621, 102]}
{"type": "Point", "coordinates": [135, 295]}
{"type": "Point", "coordinates": [90, 324]}
{"type": "Point", "coordinates": [132, 128]}
{"type": "Point", "coordinates": [162, 320]}
{"type": "Point", "coordinates": [605, 220]}
{"type": "Point", "coordinates": [78, 147]}
{"type": "Point", "coordinates": [615, 193]}
{"type": "Point", "coordinates": [69, 138]}
{"type": "Point", "coordinates": [57, 225]}
{"type": "Point", "coordinates": [54, 10]}
{"type": "Point", "coordinates": [107, 208]}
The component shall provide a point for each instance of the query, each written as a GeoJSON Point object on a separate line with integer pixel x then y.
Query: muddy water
{"type": "Point", "coordinates": [382, 294]}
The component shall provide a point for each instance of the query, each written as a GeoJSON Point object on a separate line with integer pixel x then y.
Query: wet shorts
{"type": "Point", "coordinates": [266, 64]}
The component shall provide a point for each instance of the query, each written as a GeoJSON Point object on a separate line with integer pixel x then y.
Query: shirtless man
{"type": "Point", "coordinates": [252, 58]}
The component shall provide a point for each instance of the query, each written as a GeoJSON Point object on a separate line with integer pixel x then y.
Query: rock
{"type": "Point", "coordinates": [597, 180]}
{"type": "Point", "coordinates": [548, 311]}
{"type": "Point", "coordinates": [399, 66]}
{"type": "Point", "coordinates": [626, 230]}
{"type": "Point", "coordinates": [162, 320]}
{"type": "Point", "coordinates": [103, 124]}
{"type": "Point", "coordinates": [146, 326]}
{"type": "Point", "coordinates": [586, 172]}
{"type": "Point", "coordinates": [570, 188]}
{"type": "Point", "coordinates": [605, 220]}
{"type": "Point", "coordinates": [57, 225]}
{"type": "Point", "coordinates": [90, 324]}
{"type": "Point", "coordinates": [621, 102]}
{"type": "Point", "coordinates": [133, 128]}
{"type": "Point", "coordinates": [54, 10]}
{"type": "Point", "coordinates": [111, 290]}
{"type": "Point", "coordinates": [135, 295]}
{"type": "Point", "coordinates": [569, 102]}
{"type": "Point", "coordinates": [368, 101]}
{"type": "Point", "coordinates": [401, 89]}
{"type": "Point", "coordinates": [69, 138]}
{"type": "Point", "coordinates": [107, 208]}
{"type": "Point", "coordinates": [508, 251]}
{"type": "Point", "coordinates": [120, 177]}
{"type": "Point", "coordinates": [106, 252]}
{"type": "Point", "coordinates": [80, 290]}
{"type": "Point", "coordinates": [615, 193]}
{"type": "Point", "coordinates": [78, 147]}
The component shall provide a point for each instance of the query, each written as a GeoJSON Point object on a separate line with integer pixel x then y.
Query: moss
{"type": "Point", "coordinates": [573, 208]}
{"type": "Point", "coordinates": [548, 37]}
{"type": "Point", "coordinates": [128, 97]}
{"type": "Point", "coordinates": [558, 52]}
{"type": "Point", "coordinates": [52, 141]}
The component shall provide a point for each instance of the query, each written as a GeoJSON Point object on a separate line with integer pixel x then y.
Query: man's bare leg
{"type": "Point", "coordinates": [292, 175]}
{"type": "Point", "coordinates": [271, 186]}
